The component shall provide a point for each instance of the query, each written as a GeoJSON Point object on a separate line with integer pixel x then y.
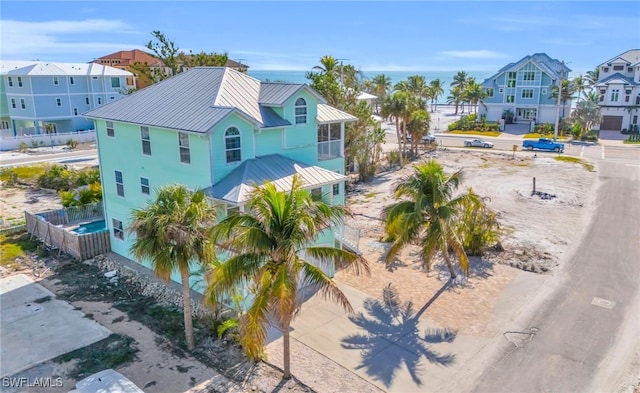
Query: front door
{"type": "Point", "coordinates": [526, 113]}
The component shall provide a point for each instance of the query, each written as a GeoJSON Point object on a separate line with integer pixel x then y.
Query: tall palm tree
{"type": "Point", "coordinates": [566, 95]}
{"type": "Point", "coordinates": [592, 78]}
{"type": "Point", "coordinates": [437, 89]}
{"type": "Point", "coordinates": [455, 97]}
{"type": "Point", "coordinates": [382, 88]}
{"type": "Point", "coordinates": [427, 215]}
{"type": "Point", "coordinates": [271, 247]}
{"type": "Point", "coordinates": [474, 94]}
{"type": "Point", "coordinates": [587, 114]}
{"type": "Point", "coordinates": [460, 80]}
{"type": "Point", "coordinates": [173, 232]}
{"type": "Point", "coordinates": [393, 107]}
{"type": "Point", "coordinates": [579, 85]}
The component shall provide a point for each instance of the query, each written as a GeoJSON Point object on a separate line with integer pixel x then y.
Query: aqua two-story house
{"type": "Point", "coordinates": [46, 97]}
{"type": "Point", "coordinates": [221, 130]}
{"type": "Point", "coordinates": [524, 88]}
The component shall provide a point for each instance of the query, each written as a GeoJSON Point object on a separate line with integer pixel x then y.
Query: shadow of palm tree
{"type": "Point", "coordinates": [392, 338]}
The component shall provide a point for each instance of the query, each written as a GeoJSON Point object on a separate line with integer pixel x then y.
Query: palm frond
{"type": "Point", "coordinates": [317, 279]}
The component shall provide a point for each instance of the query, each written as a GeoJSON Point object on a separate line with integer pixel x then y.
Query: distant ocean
{"type": "Point", "coordinates": [396, 76]}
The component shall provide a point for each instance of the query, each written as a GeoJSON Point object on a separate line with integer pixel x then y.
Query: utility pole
{"type": "Point", "coordinates": [555, 131]}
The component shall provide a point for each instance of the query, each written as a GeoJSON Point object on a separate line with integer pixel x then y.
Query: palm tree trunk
{"type": "Point", "coordinates": [186, 302]}
{"type": "Point", "coordinates": [399, 141]}
{"type": "Point", "coordinates": [287, 350]}
{"type": "Point", "coordinates": [445, 255]}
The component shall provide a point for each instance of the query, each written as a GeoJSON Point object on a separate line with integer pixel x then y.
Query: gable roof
{"type": "Point", "coordinates": [329, 114]}
{"type": "Point", "coordinates": [276, 94]}
{"type": "Point", "coordinates": [632, 56]}
{"type": "Point", "coordinates": [236, 187]}
{"type": "Point", "coordinates": [42, 68]}
{"type": "Point", "coordinates": [551, 67]}
{"type": "Point", "coordinates": [617, 79]}
{"type": "Point", "coordinates": [198, 99]}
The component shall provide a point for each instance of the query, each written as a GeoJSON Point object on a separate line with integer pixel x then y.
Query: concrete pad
{"type": "Point", "coordinates": [34, 332]}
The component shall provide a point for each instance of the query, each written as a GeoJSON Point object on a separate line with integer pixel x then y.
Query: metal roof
{"type": "Point", "coordinates": [41, 68]}
{"type": "Point", "coordinates": [551, 67]}
{"type": "Point", "coordinates": [632, 56]}
{"type": "Point", "coordinates": [329, 114]}
{"type": "Point", "coordinates": [237, 186]}
{"type": "Point", "coordinates": [276, 94]}
{"type": "Point", "coordinates": [617, 79]}
{"type": "Point", "coordinates": [196, 100]}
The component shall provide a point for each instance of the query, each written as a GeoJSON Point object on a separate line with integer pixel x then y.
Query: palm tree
{"type": "Point", "coordinates": [475, 94]}
{"type": "Point", "coordinates": [460, 80]}
{"type": "Point", "coordinates": [567, 93]}
{"type": "Point", "coordinates": [455, 97]}
{"type": "Point", "coordinates": [381, 88]}
{"type": "Point", "coordinates": [579, 85]}
{"type": "Point", "coordinates": [592, 78]}
{"type": "Point", "coordinates": [393, 106]}
{"type": "Point", "coordinates": [437, 90]}
{"type": "Point", "coordinates": [587, 114]}
{"type": "Point", "coordinates": [271, 247]}
{"type": "Point", "coordinates": [173, 232]}
{"type": "Point", "coordinates": [427, 215]}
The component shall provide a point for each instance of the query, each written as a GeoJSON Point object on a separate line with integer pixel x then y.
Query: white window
{"type": "Point", "coordinates": [144, 186]}
{"type": "Point", "coordinates": [115, 82]}
{"type": "Point", "coordinates": [72, 81]}
{"type": "Point", "coordinates": [501, 90]}
{"type": "Point", "coordinates": [110, 129]}
{"type": "Point", "coordinates": [58, 102]}
{"type": "Point", "coordinates": [86, 99]}
{"type": "Point", "coordinates": [56, 81]}
{"type": "Point", "coordinates": [19, 81]}
{"type": "Point", "coordinates": [22, 104]}
{"type": "Point", "coordinates": [329, 141]}
{"type": "Point", "coordinates": [99, 100]}
{"type": "Point", "coordinates": [336, 189]}
{"type": "Point", "coordinates": [301, 111]}
{"type": "Point", "coordinates": [489, 92]}
{"type": "Point", "coordinates": [119, 184]}
{"type": "Point", "coordinates": [13, 103]}
{"type": "Point", "coordinates": [5, 124]}
{"type": "Point", "coordinates": [185, 150]}
{"type": "Point", "coordinates": [118, 231]}
{"type": "Point", "coordinates": [529, 75]}
{"type": "Point", "coordinates": [112, 98]}
{"type": "Point", "coordinates": [75, 111]}
{"type": "Point", "coordinates": [316, 194]}
{"type": "Point", "coordinates": [95, 78]}
{"type": "Point", "coordinates": [527, 93]}
{"type": "Point", "coordinates": [510, 99]}
{"type": "Point", "coordinates": [614, 95]}
{"type": "Point", "coordinates": [232, 145]}
{"type": "Point", "coordinates": [146, 141]}
{"type": "Point", "coordinates": [10, 81]}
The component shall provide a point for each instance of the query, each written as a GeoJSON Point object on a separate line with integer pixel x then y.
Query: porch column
{"type": "Point", "coordinates": [341, 139]}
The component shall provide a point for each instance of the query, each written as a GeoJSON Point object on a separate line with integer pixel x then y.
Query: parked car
{"type": "Point", "coordinates": [477, 143]}
{"type": "Point", "coordinates": [543, 144]}
{"type": "Point", "coordinates": [427, 139]}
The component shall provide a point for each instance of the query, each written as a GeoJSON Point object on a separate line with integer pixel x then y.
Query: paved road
{"type": "Point", "coordinates": [588, 328]}
{"type": "Point", "coordinates": [15, 159]}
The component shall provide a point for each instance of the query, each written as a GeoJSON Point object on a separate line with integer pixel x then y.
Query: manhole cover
{"type": "Point", "coordinates": [604, 303]}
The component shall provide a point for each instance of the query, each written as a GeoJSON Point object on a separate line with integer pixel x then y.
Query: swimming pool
{"type": "Point", "coordinates": [90, 227]}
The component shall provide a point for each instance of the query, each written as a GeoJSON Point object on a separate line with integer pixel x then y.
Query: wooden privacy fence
{"type": "Point", "coordinates": [49, 227]}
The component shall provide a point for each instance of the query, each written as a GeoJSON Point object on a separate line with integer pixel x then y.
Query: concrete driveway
{"type": "Point", "coordinates": [36, 327]}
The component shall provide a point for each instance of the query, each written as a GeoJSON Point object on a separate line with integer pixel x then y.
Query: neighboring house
{"type": "Point", "coordinates": [524, 88]}
{"type": "Point", "coordinates": [619, 90]}
{"type": "Point", "coordinates": [49, 98]}
{"type": "Point", "coordinates": [125, 58]}
{"type": "Point", "coordinates": [221, 130]}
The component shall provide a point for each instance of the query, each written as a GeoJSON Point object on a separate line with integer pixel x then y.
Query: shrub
{"type": "Point", "coordinates": [71, 144]}
{"type": "Point", "coordinates": [22, 147]}
{"type": "Point", "coordinates": [393, 158]}
{"type": "Point", "coordinates": [478, 227]}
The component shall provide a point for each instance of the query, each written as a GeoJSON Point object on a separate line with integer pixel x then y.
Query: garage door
{"type": "Point", "coordinates": [611, 123]}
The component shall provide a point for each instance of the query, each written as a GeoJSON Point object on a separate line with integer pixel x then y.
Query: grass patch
{"type": "Point", "coordinates": [111, 352]}
{"type": "Point", "coordinates": [630, 142]}
{"type": "Point", "coordinates": [13, 247]}
{"type": "Point", "coordinates": [25, 174]}
{"type": "Point", "coordinates": [371, 194]}
{"type": "Point", "coordinates": [475, 132]}
{"type": "Point", "coordinates": [575, 160]}
{"type": "Point", "coordinates": [535, 135]}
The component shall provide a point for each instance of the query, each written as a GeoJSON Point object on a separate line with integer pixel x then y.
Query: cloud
{"type": "Point", "coordinates": [70, 39]}
{"type": "Point", "coordinates": [474, 54]}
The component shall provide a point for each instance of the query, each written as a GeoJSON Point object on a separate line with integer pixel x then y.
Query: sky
{"type": "Point", "coordinates": [294, 35]}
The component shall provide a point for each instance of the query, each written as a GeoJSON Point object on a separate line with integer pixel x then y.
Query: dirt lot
{"type": "Point", "coordinates": [538, 236]}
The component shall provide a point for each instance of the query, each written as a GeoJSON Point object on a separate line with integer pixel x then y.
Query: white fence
{"type": "Point", "coordinates": [9, 142]}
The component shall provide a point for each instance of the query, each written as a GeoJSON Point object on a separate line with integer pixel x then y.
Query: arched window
{"type": "Point", "coordinates": [232, 144]}
{"type": "Point", "coordinates": [301, 111]}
